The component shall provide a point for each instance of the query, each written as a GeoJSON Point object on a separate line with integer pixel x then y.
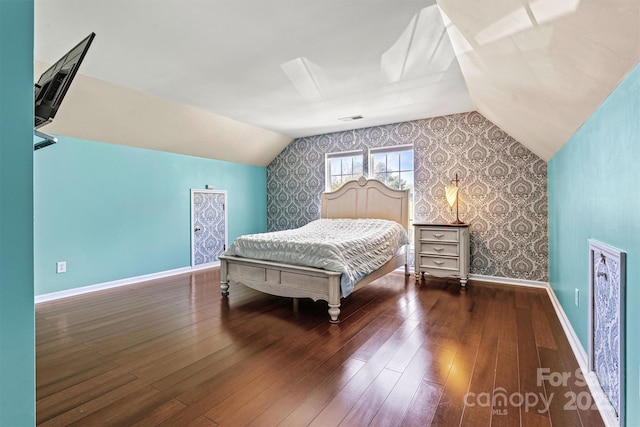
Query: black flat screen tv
{"type": "Point", "coordinates": [53, 84]}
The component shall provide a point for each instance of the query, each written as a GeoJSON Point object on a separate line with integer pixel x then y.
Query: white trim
{"type": "Point", "coordinates": [509, 281]}
{"type": "Point", "coordinates": [205, 266]}
{"type": "Point", "coordinates": [506, 281]}
{"type": "Point", "coordinates": [117, 283]}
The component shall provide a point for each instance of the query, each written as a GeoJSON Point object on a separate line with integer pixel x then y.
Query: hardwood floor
{"type": "Point", "coordinates": [173, 352]}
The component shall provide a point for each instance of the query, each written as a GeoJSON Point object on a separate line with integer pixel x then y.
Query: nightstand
{"type": "Point", "coordinates": [442, 250]}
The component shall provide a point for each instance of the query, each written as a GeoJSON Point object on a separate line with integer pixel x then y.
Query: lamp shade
{"type": "Point", "coordinates": [451, 192]}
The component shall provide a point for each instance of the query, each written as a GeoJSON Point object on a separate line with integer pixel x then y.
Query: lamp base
{"type": "Point", "coordinates": [458, 222]}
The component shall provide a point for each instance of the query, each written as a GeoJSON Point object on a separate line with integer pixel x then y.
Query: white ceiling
{"type": "Point", "coordinates": [237, 80]}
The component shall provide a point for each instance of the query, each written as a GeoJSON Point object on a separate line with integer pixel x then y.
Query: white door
{"type": "Point", "coordinates": [208, 226]}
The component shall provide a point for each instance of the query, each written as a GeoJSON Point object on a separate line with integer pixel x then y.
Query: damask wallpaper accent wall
{"type": "Point", "coordinates": [503, 186]}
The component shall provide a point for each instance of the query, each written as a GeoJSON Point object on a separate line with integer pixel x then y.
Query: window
{"type": "Point", "coordinates": [393, 166]}
{"type": "Point", "coordinates": [343, 167]}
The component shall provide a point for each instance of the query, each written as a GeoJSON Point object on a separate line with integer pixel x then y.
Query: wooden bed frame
{"type": "Point", "coordinates": [355, 199]}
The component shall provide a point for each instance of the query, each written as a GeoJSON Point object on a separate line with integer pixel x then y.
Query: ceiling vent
{"type": "Point", "coordinates": [350, 118]}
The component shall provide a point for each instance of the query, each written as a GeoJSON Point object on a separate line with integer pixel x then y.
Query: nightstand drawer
{"type": "Point", "coordinates": [440, 263]}
{"type": "Point", "coordinates": [437, 248]}
{"type": "Point", "coordinates": [439, 234]}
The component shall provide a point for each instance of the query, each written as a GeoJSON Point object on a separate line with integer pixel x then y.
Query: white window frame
{"type": "Point", "coordinates": [339, 154]}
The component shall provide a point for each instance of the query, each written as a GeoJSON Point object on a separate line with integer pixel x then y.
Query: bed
{"type": "Point", "coordinates": [360, 199]}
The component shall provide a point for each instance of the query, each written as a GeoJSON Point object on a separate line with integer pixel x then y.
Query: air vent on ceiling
{"type": "Point", "coordinates": [350, 118]}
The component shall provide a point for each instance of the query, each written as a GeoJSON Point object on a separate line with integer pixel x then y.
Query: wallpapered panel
{"type": "Point", "coordinates": [502, 186]}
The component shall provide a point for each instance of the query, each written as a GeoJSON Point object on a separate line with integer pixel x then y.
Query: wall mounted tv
{"type": "Point", "coordinates": [53, 84]}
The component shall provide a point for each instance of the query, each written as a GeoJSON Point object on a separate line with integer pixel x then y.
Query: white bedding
{"type": "Point", "coordinates": [354, 247]}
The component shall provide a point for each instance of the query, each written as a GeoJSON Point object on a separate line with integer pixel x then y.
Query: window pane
{"type": "Point", "coordinates": [357, 166]}
{"type": "Point", "coordinates": [394, 181]}
{"type": "Point", "coordinates": [406, 160]}
{"type": "Point", "coordinates": [393, 161]}
{"type": "Point", "coordinates": [335, 165]}
{"type": "Point", "coordinates": [380, 159]}
{"type": "Point", "coordinates": [347, 165]}
{"type": "Point", "coordinates": [406, 180]}
{"type": "Point", "coordinates": [342, 168]}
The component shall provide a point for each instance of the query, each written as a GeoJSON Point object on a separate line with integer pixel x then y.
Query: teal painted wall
{"type": "Point", "coordinates": [114, 212]}
{"type": "Point", "coordinates": [594, 193]}
{"type": "Point", "coordinates": [17, 378]}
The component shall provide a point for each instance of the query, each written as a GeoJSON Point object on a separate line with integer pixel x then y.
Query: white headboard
{"type": "Point", "coordinates": [367, 198]}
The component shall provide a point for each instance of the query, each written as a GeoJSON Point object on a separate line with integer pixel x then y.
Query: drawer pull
{"type": "Point", "coordinates": [438, 235]}
{"type": "Point", "coordinates": [438, 262]}
{"type": "Point", "coordinates": [438, 249]}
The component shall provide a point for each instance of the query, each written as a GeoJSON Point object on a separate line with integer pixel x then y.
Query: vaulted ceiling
{"type": "Point", "coordinates": [238, 80]}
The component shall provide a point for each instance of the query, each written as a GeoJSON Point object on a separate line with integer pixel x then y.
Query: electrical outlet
{"type": "Point", "coordinates": [577, 297]}
{"type": "Point", "coordinates": [61, 267]}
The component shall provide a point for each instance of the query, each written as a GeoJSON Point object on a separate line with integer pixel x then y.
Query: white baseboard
{"type": "Point", "coordinates": [122, 282]}
{"type": "Point", "coordinates": [509, 281]}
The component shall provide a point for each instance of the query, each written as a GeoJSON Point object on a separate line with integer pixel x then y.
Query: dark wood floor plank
{"type": "Point", "coordinates": [303, 413]}
{"type": "Point", "coordinates": [440, 358]}
{"type": "Point", "coordinates": [522, 298]}
{"type": "Point", "coordinates": [202, 422]}
{"type": "Point", "coordinates": [478, 407]}
{"type": "Point", "coordinates": [366, 408]}
{"type": "Point", "coordinates": [450, 407]}
{"type": "Point", "coordinates": [528, 372]}
{"type": "Point", "coordinates": [87, 408]}
{"type": "Point", "coordinates": [423, 406]}
{"type": "Point", "coordinates": [173, 352]}
{"type": "Point", "coordinates": [124, 411]}
{"type": "Point", "coordinates": [305, 395]}
{"type": "Point", "coordinates": [559, 394]}
{"type": "Point", "coordinates": [504, 403]}
{"type": "Point", "coordinates": [407, 350]}
{"type": "Point", "coordinates": [54, 380]}
{"type": "Point", "coordinates": [261, 393]}
{"type": "Point", "coordinates": [393, 409]}
{"type": "Point", "coordinates": [346, 398]}
{"type": "Point", "coordinates": [311, 385]}
{"type": "Point", "coordinates": [542, 329]}
{"type": "Point", "coordinates": [209, 393]}
{"type": "Point", "coordinates": [161, 413]}
{"type": "Point", "coordinates": [74, 396]}
{"type": "Point", "coordinates": [588, 412]}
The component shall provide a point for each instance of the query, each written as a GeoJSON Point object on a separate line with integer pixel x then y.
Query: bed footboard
{"type": "Point", "coordinates": [295, 281]}
{"type": "Point", "coordinates": [283, 280]}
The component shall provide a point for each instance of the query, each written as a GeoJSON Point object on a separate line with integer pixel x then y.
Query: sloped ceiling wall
{"type": "Point", "coordinates": [101, 111]}
{"type": "Point", "coordinates": [539, 68]}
